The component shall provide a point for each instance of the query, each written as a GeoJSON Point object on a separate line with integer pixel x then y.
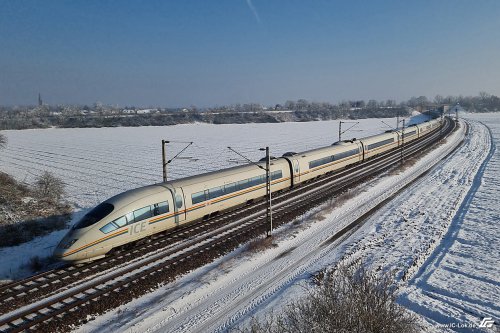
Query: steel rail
{"type": "Point", "coordinates": [279, 208]}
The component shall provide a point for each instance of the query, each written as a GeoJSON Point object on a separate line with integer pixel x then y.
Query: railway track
{"type": "Point", "coordinates": [170, 256]}
{"type": "Point", "coordinates": [44, 284]}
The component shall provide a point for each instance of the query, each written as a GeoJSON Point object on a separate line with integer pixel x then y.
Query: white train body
{"type": "Point", "coordinates": [141, 212]}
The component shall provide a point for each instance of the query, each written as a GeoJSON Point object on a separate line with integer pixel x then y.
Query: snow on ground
{"type": "Point", "coordinates": [16, 260]}
{"type": "Point", "coordinates": [227, 292]}
{"type": "Point", "coordinates": [459, 284]}
{"type": "Point", "coordinates": [439, 236]}
{"type": "Point", "coordinates": [449, 261]}
{"type": "Point", "coordinates": [97, 163]}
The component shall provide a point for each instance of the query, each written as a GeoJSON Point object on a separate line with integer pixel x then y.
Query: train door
{"type": "Point", "coordinates": [179, 205]}
{"type": "Point", "coordinates": [296, 171]}
{"type": "Point", "coordinates": [361, 148]}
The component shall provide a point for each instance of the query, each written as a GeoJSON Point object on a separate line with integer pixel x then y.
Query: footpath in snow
{"type": "Point", "coordinates": [229, 291]}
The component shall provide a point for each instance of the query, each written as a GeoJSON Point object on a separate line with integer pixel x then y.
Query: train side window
{"type": "Point", "coordinates": [161, 208]}
{"type": "Point", "coordinates": [120, 222]}
{"type": "Point", "coordinates": [230, 188]}
{"type": "Point", "coordinates": [255, 181]}
{"type": "Point", "coordinates": [142, 213]}
{"type": "Point", "coordinates": [109, 227]}
{"type": "Point", "coordinates": [130, 218]}
{"type": "Point", "coordinates": [242, 184]}
{"type": "Point", "coordinates": [276, 175]}
{"type": "Point", "coordinates": [95, 215]}
{"type": "Point", "coordinates": [178, 201]}
{"type": "Point", "coordinates": [198, 197]}
{"type": "Point", "coordinates": [216, 192]}
{"type": "Point", "coordinates": [380, 143]}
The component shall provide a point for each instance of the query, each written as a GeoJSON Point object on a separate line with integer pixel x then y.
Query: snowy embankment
{"type": "Point", "coordinates": [459, 284]}
{"type": "Point", "coordinates": [423, 236]}
{"type": "Point", "coordinates": [227, 292]}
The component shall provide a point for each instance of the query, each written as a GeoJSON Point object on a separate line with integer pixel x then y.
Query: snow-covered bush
{"type": "Point", "coordinates": [348, 299]}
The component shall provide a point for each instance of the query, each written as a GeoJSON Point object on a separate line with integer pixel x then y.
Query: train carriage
{"type": "Point", "coordinates": [436, 123]}
{"type": "Point", "coordinates": [425, 128]}
{"type": "Point", "coordinates": [317, 162]}
{"type": "Point", "coordinates": [410, 133]}
{"type": "Point", "coordinates": [380, 143]}
{"type": "Point", "coordinates": [211, 193]}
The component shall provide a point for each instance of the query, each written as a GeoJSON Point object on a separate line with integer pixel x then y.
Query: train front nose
{"type": "Point", "coordinates": [65, 248]}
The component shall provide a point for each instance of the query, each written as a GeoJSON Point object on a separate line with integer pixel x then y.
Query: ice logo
{"type": "Point", "coordinates": [487, 322]}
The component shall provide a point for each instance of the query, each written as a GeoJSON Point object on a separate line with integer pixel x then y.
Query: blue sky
{"type": "Point", "coordinates": [179, 53]}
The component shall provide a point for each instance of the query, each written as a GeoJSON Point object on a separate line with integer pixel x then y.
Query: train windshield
{"type": "Point", "coordinates": [95, 215]}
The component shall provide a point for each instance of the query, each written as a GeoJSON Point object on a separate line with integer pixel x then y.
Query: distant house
{"type": "Point", "coordinates": [128, 111]}
{"type": "Point", "coordinates": [444, 108]}
{"type": "Point", "coordinates": [146, 111]}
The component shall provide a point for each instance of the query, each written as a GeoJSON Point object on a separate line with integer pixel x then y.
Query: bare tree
{"type": "Point", "coordinates": [484, 95]}
{"type": "Point", "coordinates": [438, 99]}
{"type": "Point", "coordinates": [372, 104]}
{"type": "Point", "coordinates": [49, 187]}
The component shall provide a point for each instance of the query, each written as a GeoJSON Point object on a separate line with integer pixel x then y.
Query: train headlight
{"type": "Point", "coordinates": [67, 245]}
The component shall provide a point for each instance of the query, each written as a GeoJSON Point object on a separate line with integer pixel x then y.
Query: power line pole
{"type": "Point", "coordinates": [163, 155]}
{"type": "Point", "coordinates": [269, 207]}
{"type": "Point", "coordinates": [346, 122]}
{"type": "Point", "coordinates": [165, 163]}
{"type": "Point", "coordinates": [402, 142]}
{"type": "Point", "coordinates": [269, 211]}
{"type": "Point", "coordinates": [441, 126]}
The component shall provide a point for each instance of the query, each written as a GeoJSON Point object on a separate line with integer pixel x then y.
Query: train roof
{"type": "Point", "coordinates": [380, 137]}
{"type": "Point", "coordinates": [130, 196]}
{"type": "Point", "coordinates": [224, 173]}
{"type": "Point", "coordinates": [338, 146]}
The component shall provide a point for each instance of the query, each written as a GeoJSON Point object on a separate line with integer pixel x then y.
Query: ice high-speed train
{"type": "Point", "coordinates": [138, 213]}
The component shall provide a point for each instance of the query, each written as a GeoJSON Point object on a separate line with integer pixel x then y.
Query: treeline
{"type": "Point", "coordinates": [483, 103]}
{"type": "Point", "coordinates": [13, 120]}
{"type": "Point", "coordinates": [301, 110]}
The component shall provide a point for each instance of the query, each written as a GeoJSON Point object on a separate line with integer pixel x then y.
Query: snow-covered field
{"type": "Point", "coordinates": [97, 163]}
{"type": "Point", "coordinates": [438, 236]}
